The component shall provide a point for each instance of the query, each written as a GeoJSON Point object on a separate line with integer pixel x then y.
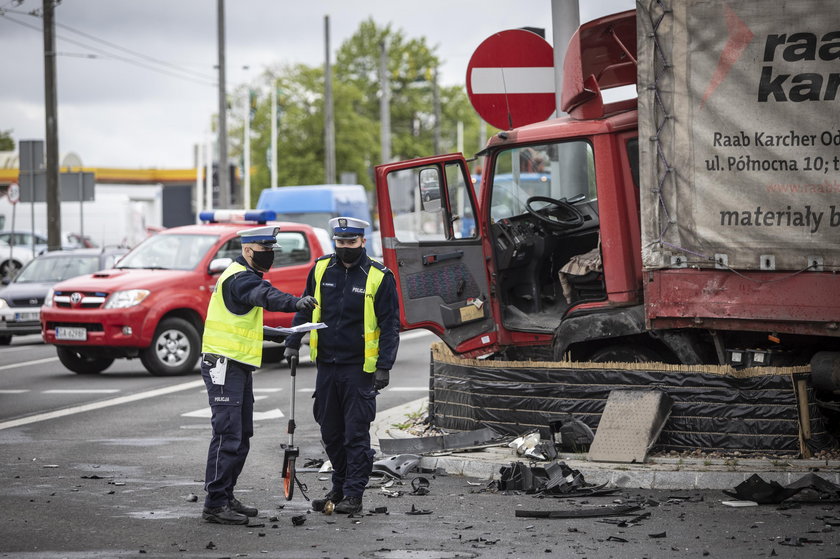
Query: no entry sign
{"type": "Point", "coordinates": [510, 79]}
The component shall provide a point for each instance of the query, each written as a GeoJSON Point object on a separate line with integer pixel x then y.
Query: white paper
{"type": "Point", "coordinates": [305, 327]}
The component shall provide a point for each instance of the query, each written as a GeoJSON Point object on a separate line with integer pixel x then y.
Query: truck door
{"type": "Point", "coordinates": [432, 241]}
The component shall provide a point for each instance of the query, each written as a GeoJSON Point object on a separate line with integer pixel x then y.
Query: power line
{"type": "Point", "coordinates": [105, 54]}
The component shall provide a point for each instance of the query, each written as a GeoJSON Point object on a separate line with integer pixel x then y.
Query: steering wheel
{"type": "Point", "coordinates": [558, 214]}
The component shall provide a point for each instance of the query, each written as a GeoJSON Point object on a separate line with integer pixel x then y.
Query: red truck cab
{"type": "Point", "coordinates": [544, 260]}
{"type": "Point", "coordinates": [152, 304]}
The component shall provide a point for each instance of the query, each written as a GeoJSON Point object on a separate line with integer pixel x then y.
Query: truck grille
{"type": "Point", "coordinates": [79, 299]}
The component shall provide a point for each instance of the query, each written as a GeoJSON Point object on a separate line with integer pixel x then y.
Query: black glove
{"type": "Point", "coordinates": [381, 378]}
{"type": "Point", "coordinates": [289, 353]}
{"type": "Point", "coordinates": [306, 303]}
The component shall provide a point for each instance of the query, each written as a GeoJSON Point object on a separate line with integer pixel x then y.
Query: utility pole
{"type": "Point", "coordinates": [246, 155]}
{"type": "Point", "coordinates": [565, 19]}
{"type": "Point", "coordinates": [51, 110]}
{"type": "Point", "coordinates": [273, 133]}
{"type": "Point", "coordinates": [384, 104]}
{"type": "Point", "coordinates": [329, 119]}
{"type": "Point", "coordinates": [224, 190]}
{"type": "Point", "coordinates": [436, 105]}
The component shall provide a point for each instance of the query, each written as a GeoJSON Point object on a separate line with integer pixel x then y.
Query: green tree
{"type": "Point", "coordinates": [6, 141]}
{"type": "Point", "coordinates": [356, 93]}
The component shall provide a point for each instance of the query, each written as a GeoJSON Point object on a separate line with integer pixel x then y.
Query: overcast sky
{"type": "Point", "coordinates": [113, 113]}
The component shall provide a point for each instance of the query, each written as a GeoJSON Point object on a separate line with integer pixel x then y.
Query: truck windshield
{"type": "Point", "coordinates": [59, 268]}
{"type": "Point", "coordinates": [559, 170]}
{"type": "Point", "coordinates": [169, 252]}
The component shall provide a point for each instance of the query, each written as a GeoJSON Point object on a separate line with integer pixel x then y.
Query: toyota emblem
{"type": "Point", "coordinates": [76, 298]}
{"type": "Point", "coordinates": [33, 302]}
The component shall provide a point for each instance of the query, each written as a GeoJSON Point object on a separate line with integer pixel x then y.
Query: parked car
{"type": "Point", "coordinates": [12, 259]}
{"type": "Point", "coordinates": [24, 239]}
{"type": "Point", "coordinates": [21, 299]}
{"type": "Point", "coordinates": [152, 305]}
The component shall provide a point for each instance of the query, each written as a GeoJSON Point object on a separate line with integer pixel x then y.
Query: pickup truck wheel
{"type": "Point", "coordinates": [80, 363]}
{"type": "Point", "coordinates": [174, 349]}
{"type": "Point", "coordinates": [625, 354]}
{"type": "Point", "coordinates": [5, 340]}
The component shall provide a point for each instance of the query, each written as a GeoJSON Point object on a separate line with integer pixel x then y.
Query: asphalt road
{"type": "Point", "coordinates": [88, 473]}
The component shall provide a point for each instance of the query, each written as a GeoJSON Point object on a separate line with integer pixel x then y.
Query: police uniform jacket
{"type": "Point", "coordinates": [248, 289]}
{"type": "Point", "coordinates": [342, 310]}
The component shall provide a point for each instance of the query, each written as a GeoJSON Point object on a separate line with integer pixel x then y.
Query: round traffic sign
{"type": "Point", "coordinates": [510, 79]}
{"type": "Point", "coordinates": [13, 193]}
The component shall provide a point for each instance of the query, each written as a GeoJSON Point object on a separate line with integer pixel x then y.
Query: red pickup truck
{"type": "Point", "coordinates": [152, 304]}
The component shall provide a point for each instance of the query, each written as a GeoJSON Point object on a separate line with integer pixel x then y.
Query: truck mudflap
{"type": "Point", "coordinates": [622, 322]}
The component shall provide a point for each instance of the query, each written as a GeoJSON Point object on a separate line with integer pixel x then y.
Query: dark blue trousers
{"type": "Point", "coordinates": [232, 406]}
{"type": "Point", "coordinates": [345, 405]}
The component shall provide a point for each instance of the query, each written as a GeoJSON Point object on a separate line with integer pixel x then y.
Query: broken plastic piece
{"type": "Point", "coordinates": [396, 466]}
{"type": "Point", "coordinates": [756, 489]}
{"type": "Point", "coordinates": [739, 503]}
{"type": "Point", "coordinates": [299, 519]}
{"type": "Point", "coordinates": [415, 511]}
{"type": "Point", "coordinates": [456, 441]}
{"type": "Point", "coordinates": [420, 486]}
{"type": "Point", "coordinates": [579, 513]}
{"type": "Point", "coordinates": [379, 510]}
{"type": "Point", "coordinates": [658, 535]}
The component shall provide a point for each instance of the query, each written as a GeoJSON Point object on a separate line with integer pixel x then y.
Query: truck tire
{"type": "Point", "coordinates": [5, 340]}
{"type": "Point", "coordinates": [174, 350]}
{"type": "Point", "coordinates": [80, 363]}
{"type": "Point", "coordinates": [624, 353]}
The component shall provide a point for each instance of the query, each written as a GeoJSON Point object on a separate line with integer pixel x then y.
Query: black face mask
{"type": "Point", "coordinates": [263, 260]}
{"type": "Point", "coordinates": [348, 255]}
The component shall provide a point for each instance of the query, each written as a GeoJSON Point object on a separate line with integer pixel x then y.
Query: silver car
{"type": "Point", "coordinates": [21, 299]}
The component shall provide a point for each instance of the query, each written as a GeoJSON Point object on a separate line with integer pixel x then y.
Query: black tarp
{"type": "Point", "coordinates": [751, 411]}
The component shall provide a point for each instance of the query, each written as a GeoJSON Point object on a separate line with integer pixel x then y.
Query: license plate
{"type": "Point", "coordinates": [68, 333]}
{"type": "Point", "coordinates": [26, 316]}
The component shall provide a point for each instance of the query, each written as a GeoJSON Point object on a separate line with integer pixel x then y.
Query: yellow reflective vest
{"type": "Point", "coordinates": [236, 336]}
{"type": "Point", "coordinates": [371, 324]}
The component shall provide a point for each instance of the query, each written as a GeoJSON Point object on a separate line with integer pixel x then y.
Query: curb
{"type": "Point", "coordinates": [657, 473]}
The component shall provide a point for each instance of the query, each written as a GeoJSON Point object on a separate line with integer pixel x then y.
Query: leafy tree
{"type": "Point", "coordinates": [356, 94]}
{"type": "Point", "coordinates": [6, 141]}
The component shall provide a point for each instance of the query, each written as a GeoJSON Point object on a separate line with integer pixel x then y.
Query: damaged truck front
{"type": "Point", "coordinates": [699, 224]}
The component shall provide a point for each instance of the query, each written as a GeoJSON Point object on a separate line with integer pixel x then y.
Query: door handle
{"type": "Point", "coordinates": [435, 258]}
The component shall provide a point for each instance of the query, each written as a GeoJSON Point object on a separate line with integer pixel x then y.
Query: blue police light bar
{"type": "Point", "coordinates": [238, 216]}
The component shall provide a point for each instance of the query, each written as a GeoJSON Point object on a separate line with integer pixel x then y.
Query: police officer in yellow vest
{"type": "Point", "coordinates": [357, 299]}
{"type": "Point", "coordinates": [232, 349]}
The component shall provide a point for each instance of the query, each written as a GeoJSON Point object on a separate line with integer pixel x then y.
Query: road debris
{"type": "Point", "coordinates": [415, 511]}
{"type": "Point", "coordinates": [420, 486]}
{"type": "Point", "coordinates": [762, 492]}
{"type": "Point", "coordinates": [618, 510]}
{"type": "Point", "coordinates": [298, 520]}
{"type": "Point", "coordinates": [479, 438]}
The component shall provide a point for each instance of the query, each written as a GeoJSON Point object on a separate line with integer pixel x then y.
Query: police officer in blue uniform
{"type": "Point", "coordinates": [357, 299]}
{"type": "Point", "coordinates": [232, 350]}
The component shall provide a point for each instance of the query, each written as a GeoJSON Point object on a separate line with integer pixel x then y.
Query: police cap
{"type": "Point", "coordinates": [348, 227]}
{"type": "Point", "coordinates": [266, 236]}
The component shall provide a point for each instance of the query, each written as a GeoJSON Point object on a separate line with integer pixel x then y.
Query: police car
{"type": "Point", "coordinates": [152, 304]}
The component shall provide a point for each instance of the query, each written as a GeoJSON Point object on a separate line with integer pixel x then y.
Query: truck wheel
{"type": "Point", "coordinates": [5, 340]}
{"type": "Point", "coordinates": [174, 349]}
{"type": "Point", "coordinates": [624, 354]}
{"type": "Point", "coordinates": [80, 363]}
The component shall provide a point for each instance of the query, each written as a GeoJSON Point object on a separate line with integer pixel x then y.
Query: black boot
{"type": "Point", "coordinates": [223, 515]}
{"type": "Point", "coordinates": [350, 505]}
{"type": "Point", "coordinates": [335, 496]}
{"type": "Point", "coordinates": [236, 506]}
